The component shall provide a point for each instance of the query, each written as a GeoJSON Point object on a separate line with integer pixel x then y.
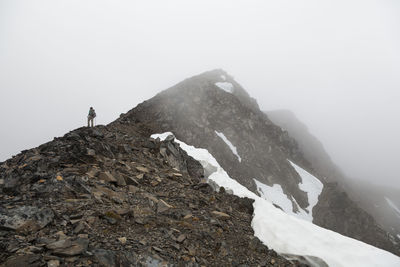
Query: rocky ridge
{"type": "Point", "coordinates": [112, 196]}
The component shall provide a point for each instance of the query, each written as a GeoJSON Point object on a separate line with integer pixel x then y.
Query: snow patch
{"type": "Point", "coordinates": [311, 185]}
{"type": "Point", "coordinates": [225, 86]}
{"type": "Point", "coordinates": [223, 77]}
{"type": "Point", "coordinates": [289, 235]}
{"type": "Point", "coordinates": [229, 144]}
{"type": "Point", "coordinates": [275, 195]}
{"type": "Point", "coordinates": [393, 206]}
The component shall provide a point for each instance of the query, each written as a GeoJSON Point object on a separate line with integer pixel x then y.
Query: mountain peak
{"type": "Point", "coordinates": [213, 111]}
{"type": "Point", "coordinates": [217, 79]}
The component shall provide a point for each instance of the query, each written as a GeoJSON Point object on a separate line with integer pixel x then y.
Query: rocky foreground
{"type": "Point", "coordinates": [108, 197]}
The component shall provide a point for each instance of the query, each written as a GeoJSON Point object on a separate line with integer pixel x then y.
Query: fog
{"type": "Point", "coordinates": [335, 64]}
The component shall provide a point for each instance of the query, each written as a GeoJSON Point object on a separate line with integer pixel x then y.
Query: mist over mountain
{"type": "Point", "coordinates": [183, 178]}
{"type": "Point", "coordinates": [379, 200]}
{"type": "Point", "coordinates": [296, 133]}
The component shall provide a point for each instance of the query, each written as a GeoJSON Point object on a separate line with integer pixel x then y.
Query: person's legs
{"type": "Point", "coordinates": [91, 121]}
{"type": "Point", "coordinates": [88, 121]}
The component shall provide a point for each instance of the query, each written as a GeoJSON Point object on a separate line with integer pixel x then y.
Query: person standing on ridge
{"type": "Point", "coordinates": [91, 116]}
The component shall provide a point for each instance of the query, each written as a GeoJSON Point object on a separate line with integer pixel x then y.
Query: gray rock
{"type": "Point", "coordinates": [220, 215]}
{"type": "Point", "coordinates": [131, 181]}
{"type": "Point", "coordinates": [308, 260]}
{"type": "Point", "coordinates": [104, 257]}
{"type": "Point", "coordinates": [91, 152]}
{"type": "Point", "coordinates": [31, 260]}
{"type": "Point", "coordinates": [69, 247]}
{"type": "Point", "coordinates": [107, 177]}
{"type": "Point", "coordinates": [97, 133]}
{"type": "Point", "coordinates": [25, 219]}
{"type": "Point", "coordinates": [112, 217]}
{"type": "Point", "coordinates": [133, 189]}
{"type": "Point", "coordinates": [142, 169]}
{"type": "Point", "coordinates": [213, 185]}
{"type": "Point", "coordinates": [120, 180]}
{"type": "Point", "coordinates": [10, 183]}
{"type": "Point", "coordinates": [181, 238]}
{"type": "Point", "coordinates": [163, 206]}
{"type": "Point", "coordinates": [80, 227]}
{"type": "Point", "coordinates": [53, 263]}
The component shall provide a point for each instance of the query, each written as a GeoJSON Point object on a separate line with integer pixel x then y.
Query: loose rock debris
{"type": "Point", "coordinates": [104, 197]}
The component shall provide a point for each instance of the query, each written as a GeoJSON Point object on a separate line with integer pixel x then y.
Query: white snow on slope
{"type": "Point", "coordinates": [290, 235]}
{"type": "Point", "coordinates": [393, 206]}
{"type": "Point", "coordinates": [223, 77]}
{"type": "Point", "coordinates": [229, 144]}
{"type": "Point", "coordinates": [311, 185]}
{"type": "Point", "coordinates": [275, 195]}
{"type": "Point", "coordinates": [225, 86]}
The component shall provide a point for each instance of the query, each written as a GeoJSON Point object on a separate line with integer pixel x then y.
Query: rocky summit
{"type": "Point", "coordinates": [112, 196]}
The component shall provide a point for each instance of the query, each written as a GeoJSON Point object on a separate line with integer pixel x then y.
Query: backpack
{"type": "Point", "coordinates": [92, 113]}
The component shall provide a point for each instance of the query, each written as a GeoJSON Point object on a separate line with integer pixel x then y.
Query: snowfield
{"type": "Point", "coordinates": [289, 235]}
{"type": "Point", "coordinates": [228, 87]}
{"type": "Point", "coordinates": [229, 144]}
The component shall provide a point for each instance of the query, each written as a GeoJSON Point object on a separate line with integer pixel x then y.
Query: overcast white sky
{"type": "Point", "coordinates": [336, 64]}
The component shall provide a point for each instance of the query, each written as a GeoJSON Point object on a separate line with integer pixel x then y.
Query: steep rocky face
{"type": "Point", "coordinates": [197, 110]}
{"type": "Point", "coordinates": [214, 112]}
{"type": "Point", "coordinates": [110, 196]}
